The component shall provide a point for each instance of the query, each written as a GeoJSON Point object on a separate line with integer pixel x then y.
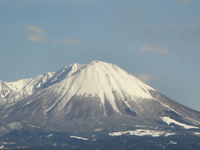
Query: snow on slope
{"type": "Point", "coordinates": [14, 91]}
{"type": "Point", "coordinates": [168, 120]}
{"type": "Point", "coordinates": [104, 80]}
{"type": "Point", "coordinates": [99, 78]}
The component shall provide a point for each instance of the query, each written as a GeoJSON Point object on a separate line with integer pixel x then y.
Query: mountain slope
{"type": "Point", "coordinates": [91, 97]}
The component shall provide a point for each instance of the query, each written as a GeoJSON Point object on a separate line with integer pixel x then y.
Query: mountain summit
{"type": "Point", "coordinates": [95, 97]}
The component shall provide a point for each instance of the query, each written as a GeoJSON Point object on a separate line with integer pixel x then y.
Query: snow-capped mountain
{"type": "Point", "coordinates": [93, 97]}
{"type": "Point", "coordinates": [87, 79]}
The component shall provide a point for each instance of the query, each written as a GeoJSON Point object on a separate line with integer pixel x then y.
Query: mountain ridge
{"type": "Point", "coordinates": [31, 85]}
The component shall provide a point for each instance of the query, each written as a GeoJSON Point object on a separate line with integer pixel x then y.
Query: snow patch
{"type": "Point", "coordinates": [80, 138]}
{"type": "Point", "coordinates": [168, 120]}
{"type": "Point", "coordinates": [197, 133]}
{"type": "Point", "coordinates": [15, 125]}
{"type": "Point", "coordinates": [6, 143]}
{"type": "Point", "coordinates": [1, 146]}
{"type": "Point", "coordinates": [33, 126]}
{"type": "Point", "coordinates": [169, 134]}
{"type": "Point", "coordinates": [50, 135]}
{"type": "Point", "coordinates": [172, 143]}
{"type": "Point", "coordinates": [142, 132]}
{"type": "Point", "coordinates": [97, 130]}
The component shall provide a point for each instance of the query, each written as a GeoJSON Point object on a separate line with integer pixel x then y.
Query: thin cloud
{"type": "Point", "coordinates": [67, 41]}
{"type": "Point", "coordinates": [147, 47]}
{"type": "Point", "coordinates": [145, 77]}
{"type": "Point", "coordinates": [185, 1]}
{"type": "Point", "coordinates": [36, 34]}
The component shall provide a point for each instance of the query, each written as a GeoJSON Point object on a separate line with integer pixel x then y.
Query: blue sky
{"type": "Point", "coordinates": [158, 41]}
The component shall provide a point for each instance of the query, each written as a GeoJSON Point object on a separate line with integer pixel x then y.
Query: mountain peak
{"type": "Point", "coordinates": [97, 61]}
{"type": "Point", "coordinates": [103, 80]}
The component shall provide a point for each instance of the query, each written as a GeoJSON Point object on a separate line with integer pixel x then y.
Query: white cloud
{"type": "Point", "coordinates": [35, 29]}
{"type": "Point", "coordinates": [145, 77]}
{"type": "Point", "coordinates": [148, 47]}
{"type": "Point", "coordinates": [36, 34]}
{"type": "Point", "coordinates": [185, 1]}
{"type": "Point", "coordinates": [36, 38]}
{"type": "Point", "coordinates": [67, 41]}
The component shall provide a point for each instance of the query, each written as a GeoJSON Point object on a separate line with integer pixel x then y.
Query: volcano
{"type": "Point", "coordinates": [98, 97]}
